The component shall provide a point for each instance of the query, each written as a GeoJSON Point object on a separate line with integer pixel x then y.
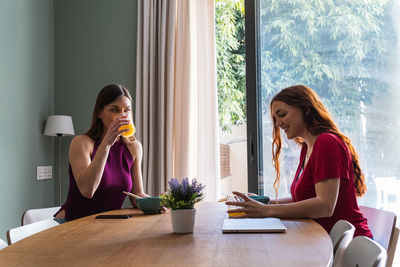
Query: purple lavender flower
{"type": "Point", "coordinates": [197, 187]}
{"type": "Point", "coordinates": [183, 195]}
{"type": "Point", "coordinates": [174, 184]}
{"type": "Point", "coordinates": [185, 186]}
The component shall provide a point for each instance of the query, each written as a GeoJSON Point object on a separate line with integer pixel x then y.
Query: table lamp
{"type": "Point", "coordinates": [59, 125]}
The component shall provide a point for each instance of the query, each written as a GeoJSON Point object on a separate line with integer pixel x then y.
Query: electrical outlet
{"type": "Point", "coordinates": [44, 172]}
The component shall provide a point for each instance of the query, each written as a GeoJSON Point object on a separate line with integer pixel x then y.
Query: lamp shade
{"type": "Point", "coordinates": [59, 125]}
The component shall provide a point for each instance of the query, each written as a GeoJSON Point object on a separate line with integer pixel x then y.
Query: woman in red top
{"type": "Point", "coordinates": [328, 177]}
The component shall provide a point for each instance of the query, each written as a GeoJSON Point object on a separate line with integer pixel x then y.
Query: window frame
{"type": "Point", "coordinates": [253, 98]}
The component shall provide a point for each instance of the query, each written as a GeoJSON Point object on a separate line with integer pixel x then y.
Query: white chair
{"type": "Point", "coordinates": [3, 244]}
{"type": "Point", "coordinates": [364, 252]}
{"type": "Point", "coordinates": [35, 215]}
{"type": "Point", "coordinates": [383, 227]}
{"type": "Point", "coordinates": [16, 234]}
{"type": "Point", "coordinates": [341, 235]}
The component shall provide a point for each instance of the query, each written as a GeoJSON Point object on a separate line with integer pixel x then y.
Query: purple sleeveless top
{"type": "Point", "coordinates": [108, 196]}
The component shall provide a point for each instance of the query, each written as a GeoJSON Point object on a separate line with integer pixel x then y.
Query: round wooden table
{"type": "Point", "coordinates": [148, 240]}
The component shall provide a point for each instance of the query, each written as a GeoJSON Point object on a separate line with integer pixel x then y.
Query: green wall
{"type": "Point", "coordinates": [26, 99]}
{"type": "Point", "coordinates": [55, 56]}
{"type": "Point", "coordinates": [94, 45]}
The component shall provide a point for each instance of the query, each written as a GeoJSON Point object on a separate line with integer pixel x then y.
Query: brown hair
{"type": "Point", "coordinates": [106, 96]}
{"type": "Point", "coordinates": [318, 121]}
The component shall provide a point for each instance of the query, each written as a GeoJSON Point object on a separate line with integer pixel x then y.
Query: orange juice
{"type": "Point", "coordinates": [131, 131]}
{"type": "Point", "coordinates": [235, 214]}
{"type": "Point", "coordinates": [233, 198]}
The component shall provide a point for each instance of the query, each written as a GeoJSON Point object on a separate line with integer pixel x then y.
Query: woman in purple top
{"type": "Point", "coordinates": [102, 162]}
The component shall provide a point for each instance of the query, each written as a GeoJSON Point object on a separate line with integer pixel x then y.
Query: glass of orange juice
{"type": "Point", "coordinates": [234, 198]}
{"type": "Point", "coordinates": [130, 127]}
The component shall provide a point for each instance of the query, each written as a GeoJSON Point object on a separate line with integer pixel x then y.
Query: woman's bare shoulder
{"type": "Point", "coordinates": [134, 144]}
{"type": "Point", "coordinates": [135, 148]}
{"type": "Point", "coordinates": [82, 141]}
{"type": "Point", "coordinates": [137, 144]}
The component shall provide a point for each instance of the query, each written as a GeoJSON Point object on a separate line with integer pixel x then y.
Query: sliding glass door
{"type": "Point", "coordinates": [349, 53]}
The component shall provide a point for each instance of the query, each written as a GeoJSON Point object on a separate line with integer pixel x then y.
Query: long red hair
{"type": "Point", "coordinates": [318, 121]}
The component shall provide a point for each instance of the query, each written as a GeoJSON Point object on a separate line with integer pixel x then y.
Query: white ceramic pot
{"type": "Point", "coordinates": [183, 220]}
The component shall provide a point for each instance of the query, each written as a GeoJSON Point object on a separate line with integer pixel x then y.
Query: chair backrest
{"type": "Point", "coordinates": [392, 247]}
{"type": "Point", "coordinates": [383, 227]}
{"type": "Point", "coordinates": [3, 244]}
{"type": "Point", "coordinates": [363, 251]}
{"type": "Point", "coordinates": [16, 234]}
{"type": "Point", "coordinates": [382, 224]}
{"type": "Point", "coordinates": [341, 235]}
{"type": "Point", "coordinates": [36, 215]}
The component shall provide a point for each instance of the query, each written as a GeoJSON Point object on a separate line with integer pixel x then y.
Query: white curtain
{"type": "Point", "coordinates": [176, 93]}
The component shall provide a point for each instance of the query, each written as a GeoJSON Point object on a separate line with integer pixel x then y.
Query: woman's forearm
{"type": "Point", "coordinates": [321, 206]}
{"type": "Point", "coordinates": [88, 181]}
{"type": "Point", "coordinates": [281, 200]}
{"type": "Point", "coordinates": [309, 208]}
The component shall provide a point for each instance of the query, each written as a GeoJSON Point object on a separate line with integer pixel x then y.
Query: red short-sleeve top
{"type": "Point", "coordinates": [330, 159]}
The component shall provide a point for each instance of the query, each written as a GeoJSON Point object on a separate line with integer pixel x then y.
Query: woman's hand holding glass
{"type": "Point", "coordinates": [115, 130]}
{"type": "Point", "coordinates": [131, 130]}
{"type": "Point", "coordinates": [246, 207]}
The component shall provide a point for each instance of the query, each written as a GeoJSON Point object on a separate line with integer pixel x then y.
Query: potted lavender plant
{"type": "Point", "coordinates": [181, 197]}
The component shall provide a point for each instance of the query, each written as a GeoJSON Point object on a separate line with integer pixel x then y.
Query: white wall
{"type": "Point", "coordinates": [238, 160]}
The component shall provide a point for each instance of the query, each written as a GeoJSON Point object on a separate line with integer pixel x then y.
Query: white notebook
{"type": "Point", "coordinates": [253, 225]}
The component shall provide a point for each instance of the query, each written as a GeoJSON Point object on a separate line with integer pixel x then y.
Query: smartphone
{"type": "Point", "coordinates": [113, 216]}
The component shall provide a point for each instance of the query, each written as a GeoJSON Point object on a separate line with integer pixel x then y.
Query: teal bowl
{"type": "Point", "coordinates": [149, 205]}
{"type": "Point", "coordinates": [262, 199]}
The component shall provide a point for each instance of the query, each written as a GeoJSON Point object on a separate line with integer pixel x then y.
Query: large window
{"type": "Point", "coordinates": [349, 53]}
{"type": "Point", "coordinates": [231, 80]}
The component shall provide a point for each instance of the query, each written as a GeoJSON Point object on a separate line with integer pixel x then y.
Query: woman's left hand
{"type": "Point", "coordinates": [163, 209]}
{"type": "Point", "coordinates": [252, 208]}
